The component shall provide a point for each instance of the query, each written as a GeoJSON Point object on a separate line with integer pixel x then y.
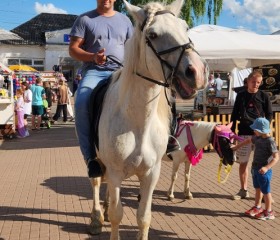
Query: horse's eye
{"type": "Point", "coordinates": [152, 35]}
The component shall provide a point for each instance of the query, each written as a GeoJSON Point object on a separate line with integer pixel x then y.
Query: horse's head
{"type": "Point", "coordinates": [165, 49]}
{"type": "Point", "coordinates": [223, 139]}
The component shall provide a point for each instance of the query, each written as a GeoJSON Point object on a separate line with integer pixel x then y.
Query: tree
{"type": "Point", "coordinates": [192, 11]}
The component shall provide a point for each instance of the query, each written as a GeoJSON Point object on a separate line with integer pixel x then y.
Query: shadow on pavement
{"type": "Point", "coordinates": [34, 215]}
{"type": "Point", "coordinates": [59, 135]}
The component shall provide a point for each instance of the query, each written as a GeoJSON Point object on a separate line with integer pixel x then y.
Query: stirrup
{"type": "Point", "coordinates": [174, 146]}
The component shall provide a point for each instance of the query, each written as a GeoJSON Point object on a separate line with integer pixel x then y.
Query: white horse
{"type": "Point", "coordinates": [194, 136]}
{"type": "Point", "coordinates": [135, 120]}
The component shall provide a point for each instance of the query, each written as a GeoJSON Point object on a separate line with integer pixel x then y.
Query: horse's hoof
{"type": "Point", "coordinates": [95, 226]}
{"type": "Point", "coordinates": [189, 197]}
{"type": "Point", "coordinates": [94, 230]}
{"type": "Point", "coordinates": [170, 198]}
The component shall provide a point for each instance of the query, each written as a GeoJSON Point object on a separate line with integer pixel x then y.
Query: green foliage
{"type": "Point", "coordinates": [193, 10]}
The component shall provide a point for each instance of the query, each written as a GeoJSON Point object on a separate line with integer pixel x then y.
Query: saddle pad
{"type": "Point", "coordinates": [95, 109]}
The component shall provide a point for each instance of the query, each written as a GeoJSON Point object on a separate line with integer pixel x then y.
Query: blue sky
{"type": "Point", "coordinates": [260, 16]}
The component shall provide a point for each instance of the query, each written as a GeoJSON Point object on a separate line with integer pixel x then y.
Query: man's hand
{"type": "Point", "coordinates": [99, 58]}
{"type": "Point", "coordinates": [263, 170]}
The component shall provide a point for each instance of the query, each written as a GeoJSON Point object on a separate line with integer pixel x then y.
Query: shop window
{"type": "Point", "coordinates": [38, 62]}
{"type": "Point", "coordinates": [26, 62]}
{"type": "Point", "coordinates": [13, 61]}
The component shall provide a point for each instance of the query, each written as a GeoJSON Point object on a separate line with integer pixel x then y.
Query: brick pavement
{"type": "Point", "coordinates": [45, 194]}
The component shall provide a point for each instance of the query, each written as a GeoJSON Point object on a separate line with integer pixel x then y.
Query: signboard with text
{"type": "Point", "coordinates": [271, 78]}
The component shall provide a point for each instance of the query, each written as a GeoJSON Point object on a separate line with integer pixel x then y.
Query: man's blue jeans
{"type": "Point", "coordinates": [90, 79]}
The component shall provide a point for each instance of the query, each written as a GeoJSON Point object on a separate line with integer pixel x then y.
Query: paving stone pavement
{"type": "Point", "coordinates": [45, 194]}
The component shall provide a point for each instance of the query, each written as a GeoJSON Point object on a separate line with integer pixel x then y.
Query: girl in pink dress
{"type": "Point", "coordinates": [19, 108]}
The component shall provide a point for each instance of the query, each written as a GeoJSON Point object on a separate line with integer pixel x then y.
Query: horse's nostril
{"type": "Point", "coordinates": [189, 71]}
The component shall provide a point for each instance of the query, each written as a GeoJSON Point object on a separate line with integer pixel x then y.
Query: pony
{"type": "Point", "coordinates": [193, 137]}
{"type": "Point", "coordinates": [135, 119]}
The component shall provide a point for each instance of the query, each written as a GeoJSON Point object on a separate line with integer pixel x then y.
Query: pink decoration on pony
{"type": "Point", "coordinates": [194, 157]}
{"type": "Point", "coordinates": [224, 128]}
{"type": "Point", "coordinates": [192, 153]}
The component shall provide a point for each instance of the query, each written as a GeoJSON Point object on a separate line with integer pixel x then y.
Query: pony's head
{"type": "Point", "coordinates": [164, 51]}
{"type": "Point", "coordinates": [223, 139]}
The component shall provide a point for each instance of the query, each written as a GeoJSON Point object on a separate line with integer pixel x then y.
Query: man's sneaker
{"type": "Point", "coordinates": [241, 195]}
{"type": "Point", "coordinates": [254, 211]}
{"type": "Point", "coordinates": [265, 215]}
{"type": "Point", "coordinates": [94, 169]}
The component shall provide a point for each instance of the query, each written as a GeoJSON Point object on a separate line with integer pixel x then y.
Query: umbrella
{"type": "Point", "coordinates": [23, 68]}
{"type": "Point", "coordinates": [7, 35]}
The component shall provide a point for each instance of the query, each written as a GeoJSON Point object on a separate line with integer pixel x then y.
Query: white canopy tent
{"type": "Point", "coordinates": [226, 48]}
{"type": "Point", "coordinates": [235, 51]}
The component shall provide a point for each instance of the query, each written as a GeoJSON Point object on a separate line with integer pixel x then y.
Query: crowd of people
{"type": "Point", "coordinates": [34, 102]}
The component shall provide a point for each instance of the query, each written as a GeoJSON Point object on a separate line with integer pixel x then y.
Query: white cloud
{"type": "Point", "coordinates": [47, 8]}
{"type": "Point", "coordinates": [259, 14]}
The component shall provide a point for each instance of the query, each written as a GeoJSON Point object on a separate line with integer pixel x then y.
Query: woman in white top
{"type": "Point", "coordinates": [27, 97]}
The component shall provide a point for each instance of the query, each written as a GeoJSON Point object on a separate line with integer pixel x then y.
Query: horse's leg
{"type": "Point", "coordinates": [106, 205]}
{"type": "Point", "coordinates": [147, 186]}
{"type": "Point", "coordinates": [175, 167]}
{"type": "Point", "coordinates": [187, 192]}
{"type": "Point", "coordinates": [115, 207]}
{"type": "Point", "coordinates": [96, 217]}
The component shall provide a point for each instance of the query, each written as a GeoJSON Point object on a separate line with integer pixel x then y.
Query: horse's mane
{"type": "Point", "coordinates": [134, 51]}
{"type": "Point", "coordinates": [138, 41]}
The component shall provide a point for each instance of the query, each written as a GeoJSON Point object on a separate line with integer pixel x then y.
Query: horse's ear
{"type": "Point", "coordinates": [218, 128]}
{"type": "Point", "coordinates": [229, 125]}
{"type": "Point", "coordinates": [176, 7]}
{"type": "Point", "coordinates": [136, 12]}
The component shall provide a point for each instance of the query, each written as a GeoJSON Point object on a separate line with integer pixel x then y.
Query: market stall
{"type": "Point", "coordinates": [7, 125]}
{"type": "Point", "coordinates": [227, 51]}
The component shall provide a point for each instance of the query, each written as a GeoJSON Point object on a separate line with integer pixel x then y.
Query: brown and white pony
{"type": "Point", "coordinates": [193, 137]}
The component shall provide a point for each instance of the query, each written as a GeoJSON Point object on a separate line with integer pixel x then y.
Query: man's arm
{"type": "Point", "coordinates": [76, 52]}
{"type": "Point", "coordinates": [268, 109]}
{"type": "Point", "coordinates": [235, 113]}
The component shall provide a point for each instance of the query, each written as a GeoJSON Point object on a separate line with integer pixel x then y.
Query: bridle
{"type": "Point", "coordinates": [231, 136]}
{"type": "Point", "coordinates": [184, 47]}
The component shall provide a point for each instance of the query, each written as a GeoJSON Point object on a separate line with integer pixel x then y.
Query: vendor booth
{"type": "Point", "coordinates": [234, 53]}
{"type": "Point", "coordinates": [7, 125]}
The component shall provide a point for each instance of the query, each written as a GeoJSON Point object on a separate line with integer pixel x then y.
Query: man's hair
{"type": "Point", "coordinates": [216, 75]}
{"type": "Point", "coordinates": [254, 74]}
{"type": "Point", "coordinates": [46, 84]}
{"type": "Point", "coordinates": [38, 80]}
{"type": "Point", "coordinates": [26, 84]}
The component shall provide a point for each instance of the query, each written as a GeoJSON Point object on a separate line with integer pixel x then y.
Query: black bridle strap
{"type": "Point", "coordinates": [157, 13]}
{"type": "Point", "coordinates": [185, 46]}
